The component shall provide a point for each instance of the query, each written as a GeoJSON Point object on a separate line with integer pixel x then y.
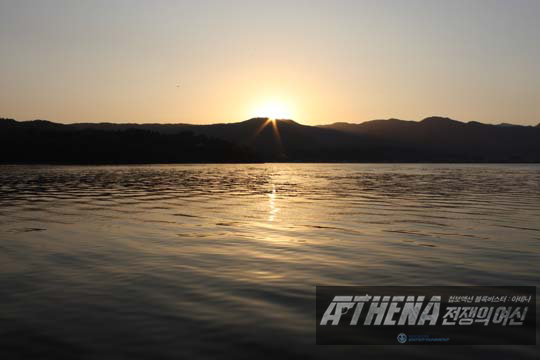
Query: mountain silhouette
{"type": "Point", "coordinates": [444, 139]}
{"type": "Point", "coordinates": [41, 141]}
{"type": "Point", "coordinates": [433, 139]}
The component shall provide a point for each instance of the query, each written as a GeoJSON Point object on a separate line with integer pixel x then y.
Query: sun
{"type": "Point", "coordinates": [274, 110]}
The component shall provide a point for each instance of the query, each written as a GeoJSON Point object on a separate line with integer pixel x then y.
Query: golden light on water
{"type": "Point", "coordinates": [272, 204]}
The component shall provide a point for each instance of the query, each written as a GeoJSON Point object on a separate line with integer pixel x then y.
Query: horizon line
{"type": "Point", "coordinates": [266, 118]}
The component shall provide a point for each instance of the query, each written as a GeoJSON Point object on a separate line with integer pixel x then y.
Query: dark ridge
{"type": "Point", "coordinates": [434, 139]}
{"type": "Point", "coordinates": [46, 142]}
{"type": "Point", "coordinates": [507, 125]}
{"type": "Point", "coordinates": [6, 121]}
{"type": "Point", "coordinates": [443, 139]}
{"type": "Point", "coordinates": [476, 123]}
{"type": "Point", "coordinates": [439, 120]}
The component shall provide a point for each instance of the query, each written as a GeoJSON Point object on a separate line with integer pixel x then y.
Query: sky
{"type": "Point", "coordinates": [226, 61]}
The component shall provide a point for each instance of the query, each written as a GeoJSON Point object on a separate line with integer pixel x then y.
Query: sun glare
{"type": "Point", "coordinates": [273, 110]}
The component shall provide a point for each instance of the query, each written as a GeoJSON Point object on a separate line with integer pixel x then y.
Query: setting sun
{"type": "Point", "coordinates": [273, 110]}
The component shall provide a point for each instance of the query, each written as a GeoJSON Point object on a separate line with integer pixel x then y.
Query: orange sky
{"type": "Point", "coordinates": [317, 61]}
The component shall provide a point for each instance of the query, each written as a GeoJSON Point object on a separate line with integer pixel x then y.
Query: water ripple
{"type": "Point", "coordinates": [203, 260]}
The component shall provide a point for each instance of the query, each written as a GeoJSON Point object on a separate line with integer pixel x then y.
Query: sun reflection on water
{"type": "Point", "coordinates": [272, 203]}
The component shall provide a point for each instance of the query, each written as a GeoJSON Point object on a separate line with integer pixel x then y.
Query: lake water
{"type": "Point", "coordinates": [208, 261]}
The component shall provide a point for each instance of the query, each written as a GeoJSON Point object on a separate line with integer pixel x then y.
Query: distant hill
{"type": "Point", "coordinates": [434, 139]}
{"type": "Point", "coordinates": [450, 140]}
{"type": "Point", "coordinates": [46, 142]}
